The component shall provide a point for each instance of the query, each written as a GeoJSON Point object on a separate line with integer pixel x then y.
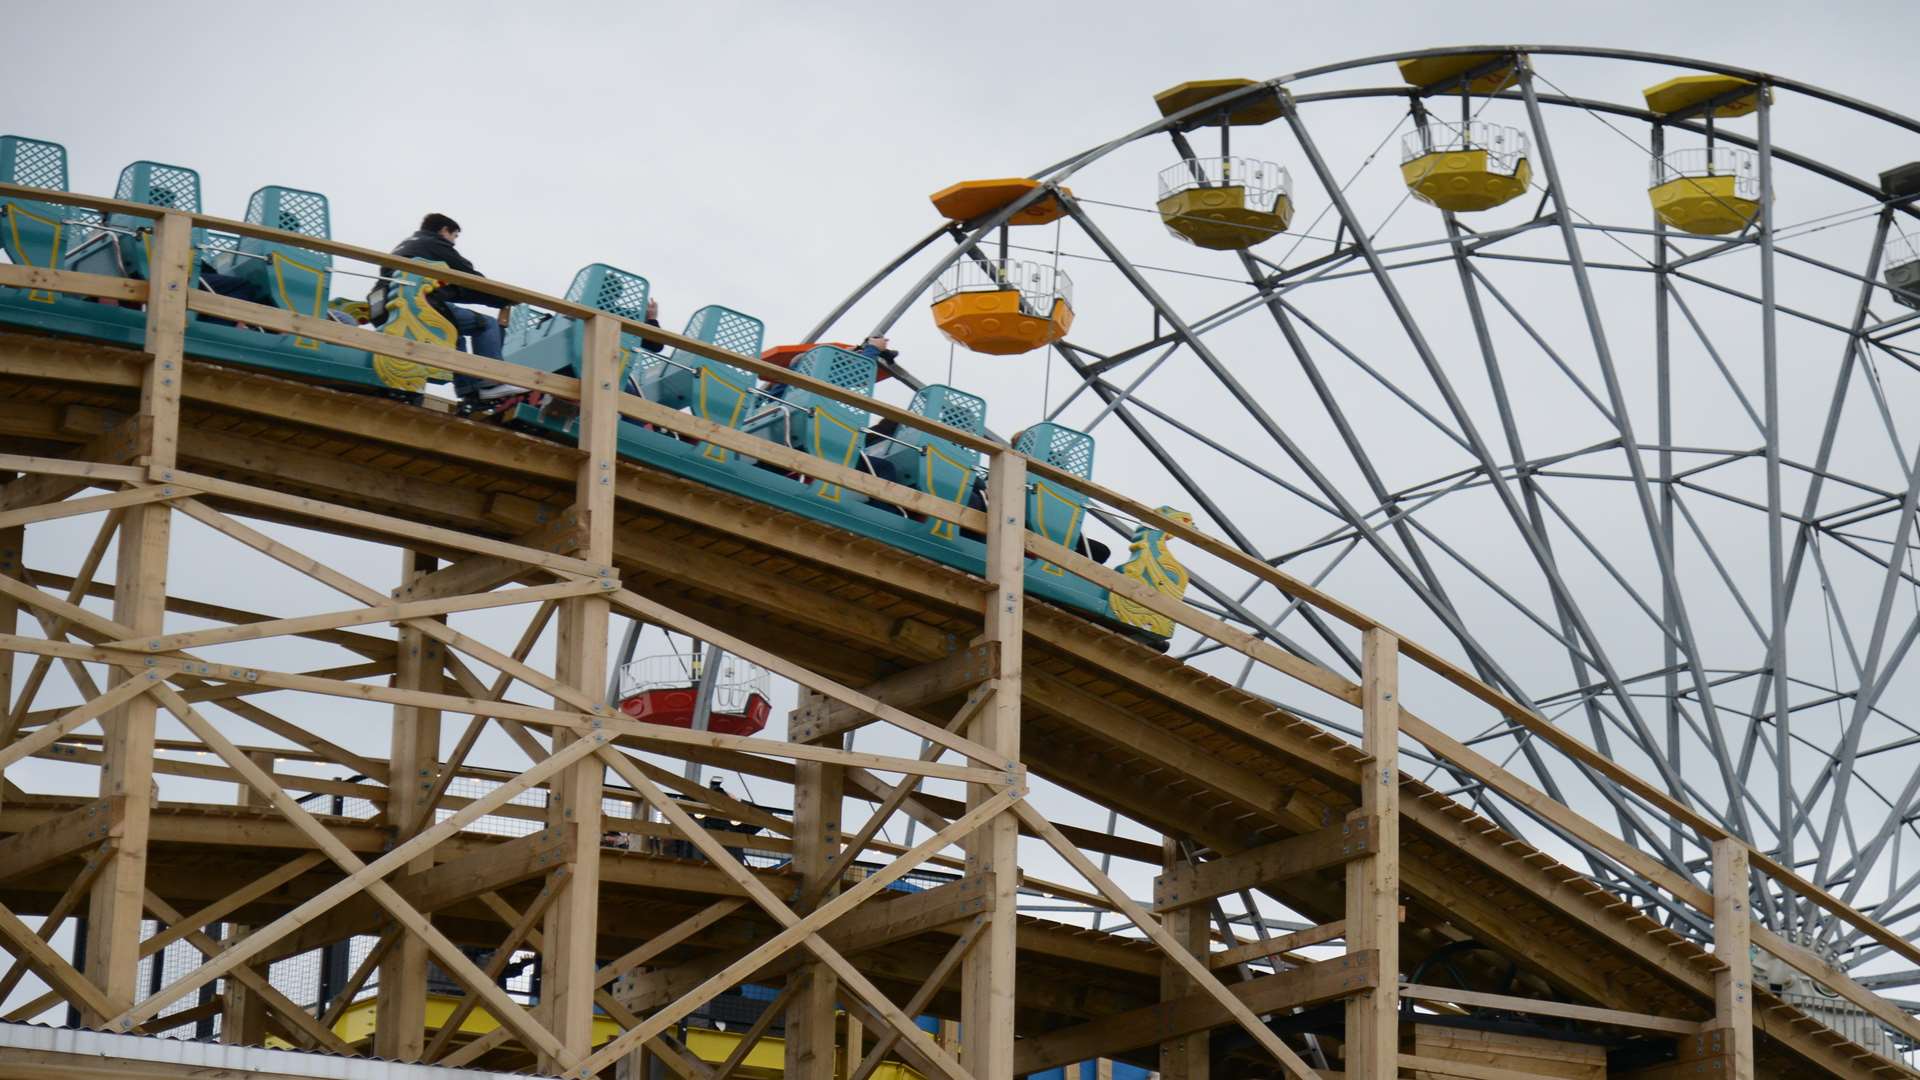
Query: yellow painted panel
{"type": "Point", "coordinates": [356, 1024]}
{"type": "Point", "coordinates": [1702, 204]}
{"type": "Point", "coordinates": [1218, 218]}
{"type": "Point", "coordinates": [1250, 111]}
{"type": "Point", "coordinates": [970, 199]}
{"type": "Point", "coordinates": [1686, 91]}
{"type": "Point", "coordinates": [1424, 71]}
{"type": "Point", "coordinates": [995, 323]}
{"type": "Point", "coordinates": [1463, 181]}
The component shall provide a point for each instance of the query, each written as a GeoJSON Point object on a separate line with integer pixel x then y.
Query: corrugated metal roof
{"type": "Point", "coordinates": [241, 1060]}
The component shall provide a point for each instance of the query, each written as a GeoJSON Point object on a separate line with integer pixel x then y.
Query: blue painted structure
{"type": "Point", "coordinates": [296, 279]}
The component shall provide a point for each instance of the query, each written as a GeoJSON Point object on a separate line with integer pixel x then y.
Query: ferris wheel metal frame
{"type": "Point", "coordinates": [1386, 521]}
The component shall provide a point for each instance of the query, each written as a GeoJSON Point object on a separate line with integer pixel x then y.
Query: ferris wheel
{"type": "Point", "coordinates": [1599, 365]}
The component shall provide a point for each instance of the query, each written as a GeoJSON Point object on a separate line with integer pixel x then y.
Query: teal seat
{"type": "Point", "coordinates": [820, 425]}
{"type": "Point", "coordinates": [124, 246]}
{"type": "Point", "coordinates": [1054, 511]}
{"type": "Point", "coordinates": [935, 465]}
{"type": "Point", "coordinates": [548, 342]}
{"type": "Point", "coordinates": [32, 232]}
{"type": "Point", "coordinates": [298, 279]}
{"type": "Point", "coordinates": [709, 389]}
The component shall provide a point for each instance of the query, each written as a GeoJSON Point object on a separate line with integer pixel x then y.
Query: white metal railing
{"type": "Point", "coordinates": [1039, 284]}
{"type": "Point", "coordinates": [734, 684]}
{"type": "Point", "coordinates": [1700, 161]}
{"type": "Point", "coordinates": [1900, 250]}
{"type": "Point", "coordinates": [1848, 1019]}
{"type": "Point", "coordinates": [1506, 147]}
{"type": "Point", "coordinates": [1265, 182]}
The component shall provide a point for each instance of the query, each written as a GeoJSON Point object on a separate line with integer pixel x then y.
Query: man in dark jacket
{"type": "Point", "coordinates": [480, 335]}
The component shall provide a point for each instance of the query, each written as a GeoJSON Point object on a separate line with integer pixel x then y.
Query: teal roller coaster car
{"type": "Point", "coordinates": [297, 279]}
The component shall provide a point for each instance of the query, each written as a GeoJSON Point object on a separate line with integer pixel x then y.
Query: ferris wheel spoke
{"type": "Point", "coordinates": [1643, 490]}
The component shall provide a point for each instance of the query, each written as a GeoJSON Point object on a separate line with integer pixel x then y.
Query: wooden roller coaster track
{"type": "Point", "coordinates": [1000, 688]}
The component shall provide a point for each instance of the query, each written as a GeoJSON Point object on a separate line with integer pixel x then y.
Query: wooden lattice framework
{"type": "Point", "coordinates": [568, 570]}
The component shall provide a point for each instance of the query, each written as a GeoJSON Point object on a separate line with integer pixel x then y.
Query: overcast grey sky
{"type": "Point", "coordinates": [769, 155]}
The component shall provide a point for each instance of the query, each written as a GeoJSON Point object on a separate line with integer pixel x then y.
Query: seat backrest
{"type": "Point", "coordinates": [933, 464]}
{"type": "Point", "coordinates": [32, 232]}
{"type": "Point", "coordinates": [297, 278]}
{"type": "Point", "coordinates": [846, 370]}
{"type": "Point", "coordinates": [170, 187]}
{"type": "Point", "coordinates": [1055, 511]}
{"type": "Point", "coordinates": [541, 339]}
{"type": "Point", "coordinates": [670, 378]}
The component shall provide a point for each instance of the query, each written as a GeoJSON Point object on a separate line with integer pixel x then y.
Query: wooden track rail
{"type": "Point", "coordinates": [568, 536]}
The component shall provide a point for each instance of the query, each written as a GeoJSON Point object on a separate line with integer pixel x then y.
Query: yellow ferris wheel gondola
{"type": "Point", "coordinates": [1710, 190]}
{"type": "Point", "coordinates": [1224, 203]}
{"type": "Point", "coordinates": [1473, 165]}
{"type": "Point", "coordinates": [1002, 306]}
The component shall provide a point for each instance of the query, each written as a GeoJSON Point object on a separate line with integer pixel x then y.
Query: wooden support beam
{"type": "Point", "coordinates": [53, 968]}
{"type": "Point", "coordinates": [569, 958]}
{"type": "Point", "coordinates": [243, 1012]}
{"type": "Point", "coordinates": [53, 841]}
{"type": "Point", "coordinates": [1188, 883]}
{"type": "Point", "coordinates": [494, 866]}
{"type": "Point", "coordinates": [1194, 969]}
{"type": "Point", "coordinates": [361, 875]}
{"type": "Point", "coordinates": [930, 682]}
{"type": "Point", "coordinates": [1632, 1021]}
{"type": "Point", "coordinates": [1182, 1056]}
{"type": "Point", "coordinates": [550, 890]}
{"type": "Point", "coordinates": [1276, 946]}
{"type": "Point", "coordinates": [667, 939]}
{"type": "Point", "coordinates": [563, 535]}
{"type": "Point", "coordinates": [1328, 980]}
{"type": "Point", "coordinates": [400, 1012]}
{"type": "Point", "coordinates": [30, 692]}
{"type": "Point", "coordinates": [987, 974]}
{"type": "Point", "coordinates": [63, 907]}
{"type": "Point", "coordinates": [1733, 947]}
{"type": "Point", "coordinates": [818, 798]}
{"type": "Point", "coordinates": [797, 929]}
{"type": "Point", "coordinates": [1373, 884]}
{"type": "Point", "coordinates": [774, 1011]}
{"type": "Point", "coordinates": [117, 903]}
{"type": "Point", "coordinates": [935, 982]}
{"type": "Point", "coordinates": [871, 926]}
{"type": "Point", "coordinates": [302, 1023]}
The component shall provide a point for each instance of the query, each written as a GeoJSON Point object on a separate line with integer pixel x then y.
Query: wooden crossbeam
{"type": "Point", "coordinates": [667, 939]}
{"type": "Point", "coordinates": [54, 840]}
{"type": "Point", "coordinates": [480, 573]}
{"type": "Point", "coordinates": [935, 981]}
{"type": "Point", "coordinates": [797, 929]}
{"type": "Point", "coordinates": [774, 1010]}
{"type": "Point", "coordinates": [930, 682]}
{"type": "Point", "coordinates": [94, 504]}
{"type": "Point", "coordinates": [1278, 946]}
{"type": "Point", "coordinates": [114, 446]}
{"type": "Point", "coordinates": [56, 915]}
{"type": "Point", "coordinates": [1534, 1007]}
{"type": "Point", "coordinates": [502, 956]}
{"type": "Point", "coordinates": [42, 665]}
{"type": "Point", "coordinates": [1328, 980]}
{"type": "Point", "coordinates": [47, 734]}
{"type": "Point", "coordinates": [303, 1024]}
{"type": "Point", "coordinates": [496, 866]}
{"type": "Point", "coordinates": [362, 876]}
{"type": "Point", "coordinates": [1190, 965]}
{"type": "Point", "coordinates": [1335, 845]}
{"type": "Point", "coordinates": [629, 730]}
{"type": "Point", "coordinates": [390, 612]}
{"type": "Point", "coordinates": [871, 926]}
{"type": "Point", "coordinates": [44, 278]}
{"type": "Point", "coordinates": [661, 615]}
{"type": "Point", "coordinates": [52, 968]}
